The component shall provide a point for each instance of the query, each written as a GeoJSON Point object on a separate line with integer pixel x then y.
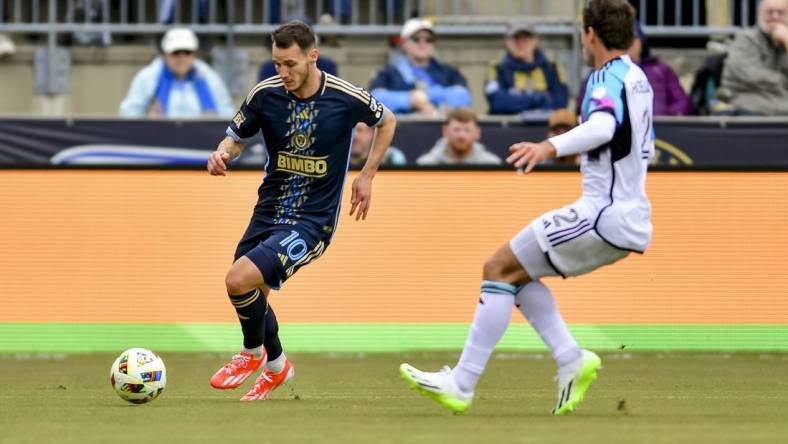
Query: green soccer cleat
{"type": "Point", "coordinates": [573, 382]}
{"type": "Point", "coordinates": [439, 386]}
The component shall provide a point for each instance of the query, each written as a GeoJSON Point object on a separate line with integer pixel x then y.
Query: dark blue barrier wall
{"type": "Point", "coordinates": [697, 141]}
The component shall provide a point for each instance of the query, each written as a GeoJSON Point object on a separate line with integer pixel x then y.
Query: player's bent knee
{"type": "Point", "coordinates": [238, 282]}
{"type": "Point", "coordinates": [504, 267]}
{"type": "Point", "coordinates": [235, 284]}
{"type": "Point", "coordinates": [493, 269]}
{"type": "Point", "coordinates": [243, 277]}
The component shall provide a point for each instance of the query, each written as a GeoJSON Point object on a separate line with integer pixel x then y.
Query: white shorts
{"type": "Point", "coordinates": [563, 242]}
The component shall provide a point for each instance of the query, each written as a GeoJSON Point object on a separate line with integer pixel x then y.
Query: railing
{"type": "Point", "coordinates": [94, 21]}
{"type": "Point", "coordinates": [381, 17]}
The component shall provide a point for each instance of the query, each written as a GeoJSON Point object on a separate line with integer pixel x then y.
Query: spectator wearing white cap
{"type": "Point", "coordinates": [177, 85]}
{"type": "Point", "coordinates": [524, 80]}
{"type": "Point", "coordinates": [416, 82]}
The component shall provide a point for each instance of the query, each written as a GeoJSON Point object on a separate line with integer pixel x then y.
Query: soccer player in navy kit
{"type": "Point", "coordinates": [307, 119]}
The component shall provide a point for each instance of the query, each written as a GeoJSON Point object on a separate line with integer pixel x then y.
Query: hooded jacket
{"type": "Point", "coordinates": [514, 86]}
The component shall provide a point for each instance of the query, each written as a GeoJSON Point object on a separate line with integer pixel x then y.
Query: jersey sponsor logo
{"type": "Point", "coordinates": [303, 165]}
{"type": "Point", "coordinates": [239, 119]}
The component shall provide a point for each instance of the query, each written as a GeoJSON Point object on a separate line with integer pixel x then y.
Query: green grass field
{"type": "Point", "coordinates": [639, 398]}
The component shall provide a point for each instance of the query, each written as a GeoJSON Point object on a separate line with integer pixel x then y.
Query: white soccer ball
{"type": "Point", "coordinates": [138, 375]}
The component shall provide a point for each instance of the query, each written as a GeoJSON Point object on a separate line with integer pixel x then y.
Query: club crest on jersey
{"type": "Point", "coordinates": [300, 141]}
{"type": "Point", "coordinates": [599, 92]}
{"type": "Point", "coordinates": [303, 165]}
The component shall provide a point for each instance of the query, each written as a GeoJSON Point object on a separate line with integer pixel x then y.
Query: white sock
{"type": "Point", "coordinates": [493, 314]}
{"type": "Point", "coordinates": [277, 365]}
{"type": "Point", "coordinates": [256, 352]}
{"type": "Point", "coordinates": [537, 304]}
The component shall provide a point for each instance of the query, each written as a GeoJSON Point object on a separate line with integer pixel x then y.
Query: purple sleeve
{"type": "Point", "coordinates": [678, 102]}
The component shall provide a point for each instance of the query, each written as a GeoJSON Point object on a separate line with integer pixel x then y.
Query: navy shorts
{"type": "Point", "coordinates": [280, 250]}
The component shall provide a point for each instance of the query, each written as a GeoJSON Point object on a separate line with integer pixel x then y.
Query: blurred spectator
{"type": "Point", "coordinates": [669, 97]}
{"type": "Point", "coordinates": [7, 46]}
{"type": "Point", "coordinates": [88, 11]}
{"type": "Point", "coordinates": [417, 82]}
{"type": "Point", "coordinates": [755, 76]}
{"type": "Point", "coordinates": [708, 79]}
{"type": "Point", "coordinates": [177, 84]}
{"type": "Point", "coordinates": [561, 121]}
{"type": "Point", "coordinates": [524, 80]}
{"type": "Point", "coordinates": [324, 63]}
{"type": "Point", "coordinates": [167, 10]}
{"type": "Point", "coordinates": [362, 143]}
{"type": "Point", "coordinates": [460, 143]}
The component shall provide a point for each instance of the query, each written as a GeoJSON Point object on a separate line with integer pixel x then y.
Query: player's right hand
{"type": "Point", "coordinates": [217, 163]}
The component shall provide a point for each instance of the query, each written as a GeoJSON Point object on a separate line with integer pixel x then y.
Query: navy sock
{"type": "Point", "coordinates": [251, 308]}
{"type": "Point", "coordinates": [272, 345]}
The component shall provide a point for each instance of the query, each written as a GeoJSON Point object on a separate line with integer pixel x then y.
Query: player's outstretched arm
{"type": "Point", "coordinates": [526, 155]}
{"type": "Point", "coordinates": [227, 150]}
{"type": "Point", "coordinates": [596, 132]}
{"type": "Point", "coordinates": [362, 185]}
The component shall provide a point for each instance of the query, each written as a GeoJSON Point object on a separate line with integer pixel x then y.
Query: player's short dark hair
{"type": "Point", "coordinates": [613, 21]}
{"type": "Point", "coordinates": [462, 115]}
{"type": "Point", "coordinates": [296, 32]}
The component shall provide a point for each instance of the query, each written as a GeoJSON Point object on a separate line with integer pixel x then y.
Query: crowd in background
{"type": "Point", "coordinates": [750, 79]}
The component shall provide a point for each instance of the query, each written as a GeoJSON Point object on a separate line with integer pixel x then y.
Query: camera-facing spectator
{"type": "Point", "coordinates": [755, 75]}
{"type": "Point", "coordinates": [525, 79]}
{"type": "Point", "coordinates": [177, 84]}
{"type": "Point", "coordinates": [362, 143]}
{"type": "Point", "coordinates": [416, 82]}
{"type": "Point", "coordinates": [460, 143]}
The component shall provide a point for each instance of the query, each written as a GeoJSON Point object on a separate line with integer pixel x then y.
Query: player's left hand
{"type": "Point", "coordinates": [527, 155]}
{"type": "Point", "coordinates": [360, 196]}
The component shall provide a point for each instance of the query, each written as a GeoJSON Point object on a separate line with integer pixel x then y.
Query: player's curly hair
{"type": "Point", "coordinates": [296, 32]}
{"type": "Point", "coordinates": [613, 21]}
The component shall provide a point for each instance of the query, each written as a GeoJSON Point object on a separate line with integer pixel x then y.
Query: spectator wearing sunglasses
{"type": "Point", "coordinates": [177, 84]}
{"type": "Point", "coordinates": [417, 82]}
{"type": "Point", "coordinates": [525, 79]}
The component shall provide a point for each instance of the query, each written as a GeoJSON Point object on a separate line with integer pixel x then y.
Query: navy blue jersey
{"type": "Point", "coordinates": [308, 142]}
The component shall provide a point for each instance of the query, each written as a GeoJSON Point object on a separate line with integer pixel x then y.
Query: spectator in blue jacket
{"type": "Point", "coordinates": [525, 79]}
{"type": "Point", "coordinates": [177, 84]}
{"type": "Point", "coordinates": [416, 82]}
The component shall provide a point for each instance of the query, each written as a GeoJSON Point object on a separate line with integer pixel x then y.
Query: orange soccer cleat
{"type": "Point", "coordinates": [268, 382]}
{"type": "Point", "coordinates": [235, 372]}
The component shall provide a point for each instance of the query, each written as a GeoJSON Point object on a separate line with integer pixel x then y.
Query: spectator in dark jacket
{"type": "Point", "coordinates": [416, 82]}
{"type": "Point", "coordinates": [669, 97]}
{"type": "Point", "coordinates": [525, 79]}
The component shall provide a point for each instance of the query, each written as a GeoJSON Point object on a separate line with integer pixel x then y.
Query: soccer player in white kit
{"type": "Point", "coordinates": [610, 220]}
